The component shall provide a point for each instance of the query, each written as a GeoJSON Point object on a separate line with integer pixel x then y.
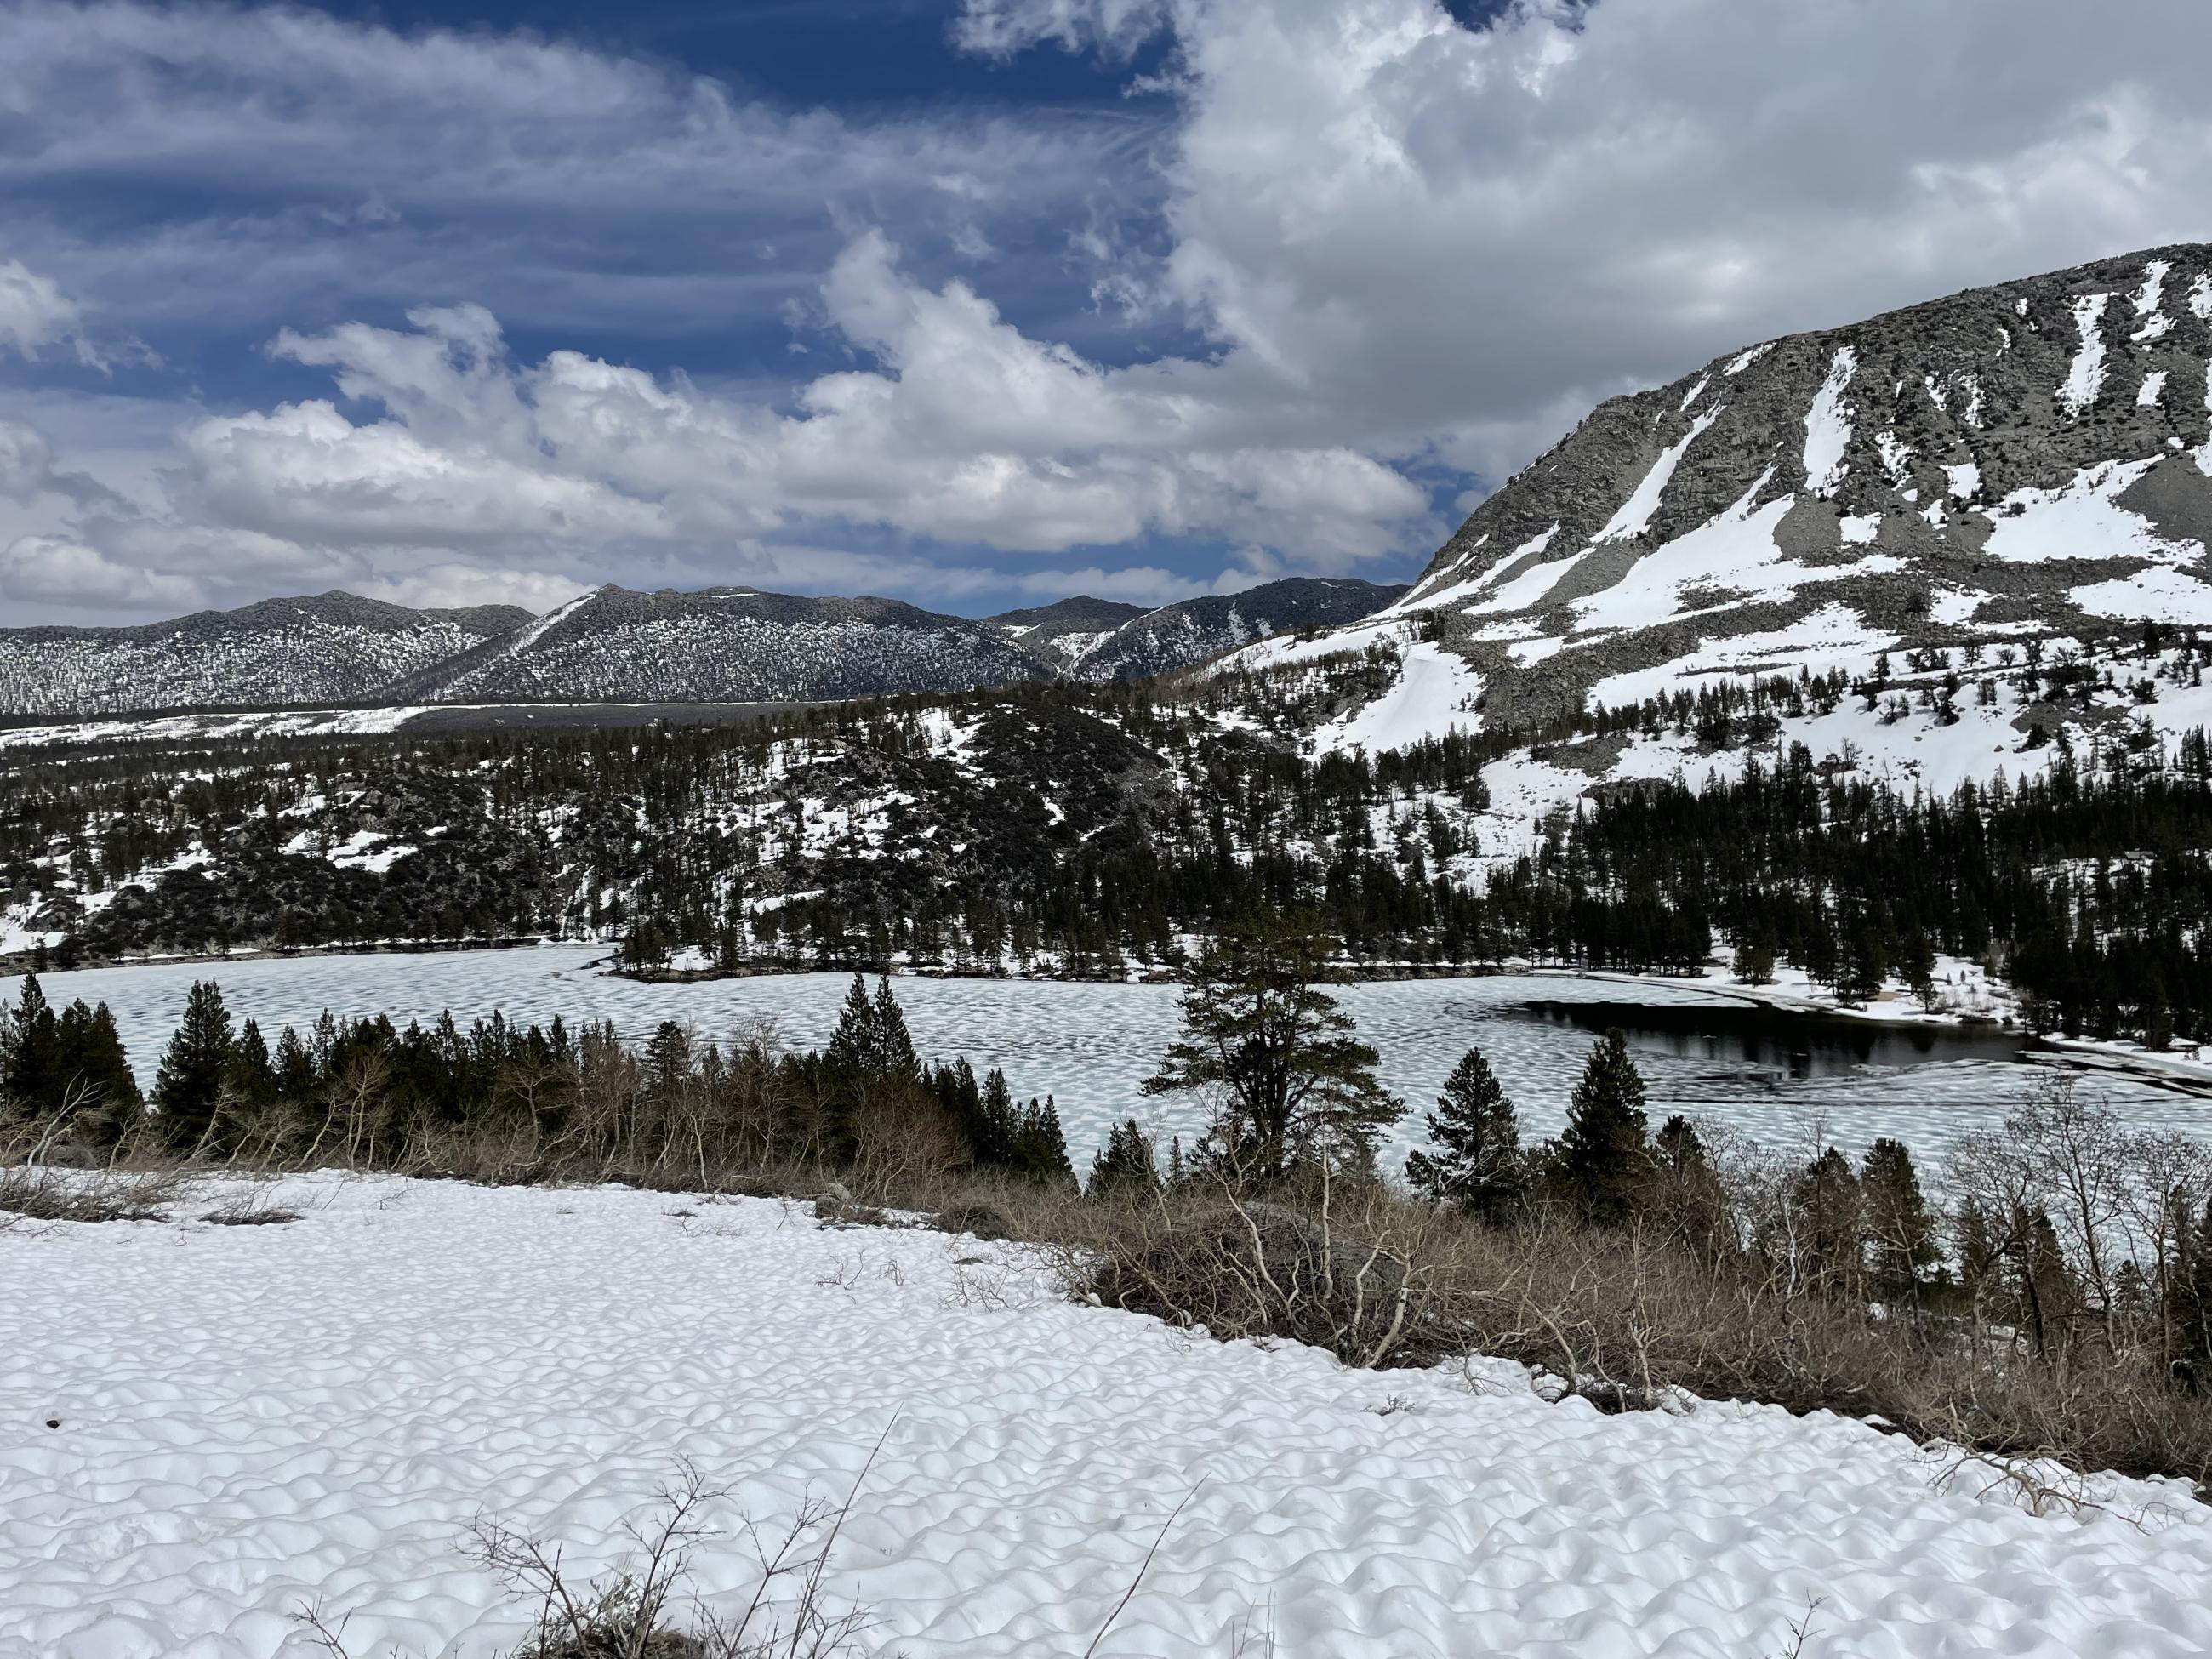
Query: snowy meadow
{"type": "Point", "coordinates": [206, 1430]}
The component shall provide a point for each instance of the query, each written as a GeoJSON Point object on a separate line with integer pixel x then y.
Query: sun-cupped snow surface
{"type": "Point", "coordinates": [253, 1420]}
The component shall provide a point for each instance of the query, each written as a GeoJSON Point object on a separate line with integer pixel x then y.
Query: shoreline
{"type": "Point", "coordinates": [2178, 1071]}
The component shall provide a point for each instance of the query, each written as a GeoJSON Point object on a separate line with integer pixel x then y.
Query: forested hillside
{"type": "Point", "coordinates": [1090, 831]}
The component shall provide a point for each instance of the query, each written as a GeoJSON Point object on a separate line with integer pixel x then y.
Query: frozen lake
{"type": "Point", "coordinates": [1089, 1045]}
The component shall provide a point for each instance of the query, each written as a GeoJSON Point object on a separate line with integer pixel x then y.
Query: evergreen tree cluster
{"type": "Point", "coordinates": [367, 1093]}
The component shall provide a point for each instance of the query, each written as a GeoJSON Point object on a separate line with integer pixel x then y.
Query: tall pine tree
{"type": "Point", "coordinates": [1297, 1086]}
{"type": "Point", "coordinates": [1900, 1232]}
{"type": "Point", "coordinates": [189, 1091]}
{"type": "Point", "coordinates": [1601, 1159]}
{"type": "Point", "coordinates": [1475, 1135]}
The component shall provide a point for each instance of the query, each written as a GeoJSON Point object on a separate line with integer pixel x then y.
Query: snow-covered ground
{"type": "Point", "coordinates": [249, 1421]}
{"type": "Point", "coordinates": [1090, 1045]}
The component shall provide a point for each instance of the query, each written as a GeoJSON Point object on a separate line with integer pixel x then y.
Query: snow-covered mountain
{"type": "Point", "coordinates": [1193, 631]}
{"type": "Point", "coordinates": [615, 645]}
{"type": "Point", "coordinates": [724, 644]}
{"type": "Point", "coordinates": [333, 648]}
{"type": "Point", "coordinates": [1067, 630]}
{"type": "Point", "coordinates": [1957, 492]}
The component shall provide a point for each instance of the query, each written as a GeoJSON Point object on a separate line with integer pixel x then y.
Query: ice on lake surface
{"type": "Point", "coordinates": [1089, 1045]}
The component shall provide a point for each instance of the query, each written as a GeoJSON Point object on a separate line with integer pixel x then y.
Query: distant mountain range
{"type": "Point", "coordinates": [612, 645]}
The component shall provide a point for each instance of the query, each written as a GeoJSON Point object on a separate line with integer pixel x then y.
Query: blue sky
{"type": "Point", "coordinates": [973, 303]}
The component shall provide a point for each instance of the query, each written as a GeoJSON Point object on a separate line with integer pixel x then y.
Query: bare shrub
{"type": "Point", "coordinates": [247, 1203]}
{"type": "Point", "coordinates": [36, 1193]}
{"type": "Point", "coordinates": [1354, 1271]}
{"type": "Point", "coordinates": [901, 1139]}
{"type": "Point", "coordinates": [631, 1612]}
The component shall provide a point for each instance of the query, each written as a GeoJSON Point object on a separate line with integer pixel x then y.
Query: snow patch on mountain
{"type": "Point", "coordinates": [1434, 692]}
{"type": "Point", "coordinates": [2156, 590]}
{"type": "Point", "coordinates": [1828, 426]}
{"type": "Point", "coordinates": [1634, 517]}
{"type": "Point", "coordinates": [2084, 375]}
{"type": "Point", "coordinates": [2081, 520]}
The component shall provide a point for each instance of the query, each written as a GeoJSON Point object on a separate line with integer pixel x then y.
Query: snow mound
{"type": "Point", "coordinates": [254, 1418]}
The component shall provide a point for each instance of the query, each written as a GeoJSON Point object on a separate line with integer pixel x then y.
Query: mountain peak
{"type": "Point", "coordinates": [2033, 457]}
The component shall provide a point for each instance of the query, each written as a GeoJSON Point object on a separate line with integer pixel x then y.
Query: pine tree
{"type": "Point", "coordinates": [1476, 1163]}
{"type": "Point", "coordinates": [1125, 1169]}
{"type": "Point", "coordinates": [295, 1064]}
{"type": "Point", "coordinates": [853, 1044]}
{"type": "Point", "coordinates": [895, 1059]}
{"type": "Point", "coordinates": [1040, 1148]}
{"type": "Point", "coordinates": [1602, 1158]}
{"type": "Point", "coordinates": [253, 1079]}
{"type": "Point", "coordinates": [667, 1059]}
{"type": "Point", "coordinates": [31, 1074]}
{"type": "Point", "coordinates": [1917, 966]}
{"type": "Point", "coordinates": [869, 1047]}
{"type": "Point", "coordinates": [1827, 1198]}
{"type": "Point", "coordinates": [1980, 1255]}
{"type": "Point", "coordinates": [997, 1144]}
{"type": "Point", "coordinates": [2046, 1288]}
{"type": "Point", "coordinates": [1297, 1086]}
{"type": "Point", "coordinates": [190, 1088]}
{"type": "Point", "coordinates": [1684, 1192]}
{"type": "Point", "coordinates": [2194, 1295]}
{"type": "Point", "coordinates": [1899, 1227]}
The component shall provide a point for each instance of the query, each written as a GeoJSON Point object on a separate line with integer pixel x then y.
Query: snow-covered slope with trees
{"type": "Point", "coordinates": [1192, 631]}
{"type": "Point", "coordinates": [615, 645]}
{"type": "Point", "coordinates": [724, 644]}
{"type": "Point", "coordinates": [333, 648]}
